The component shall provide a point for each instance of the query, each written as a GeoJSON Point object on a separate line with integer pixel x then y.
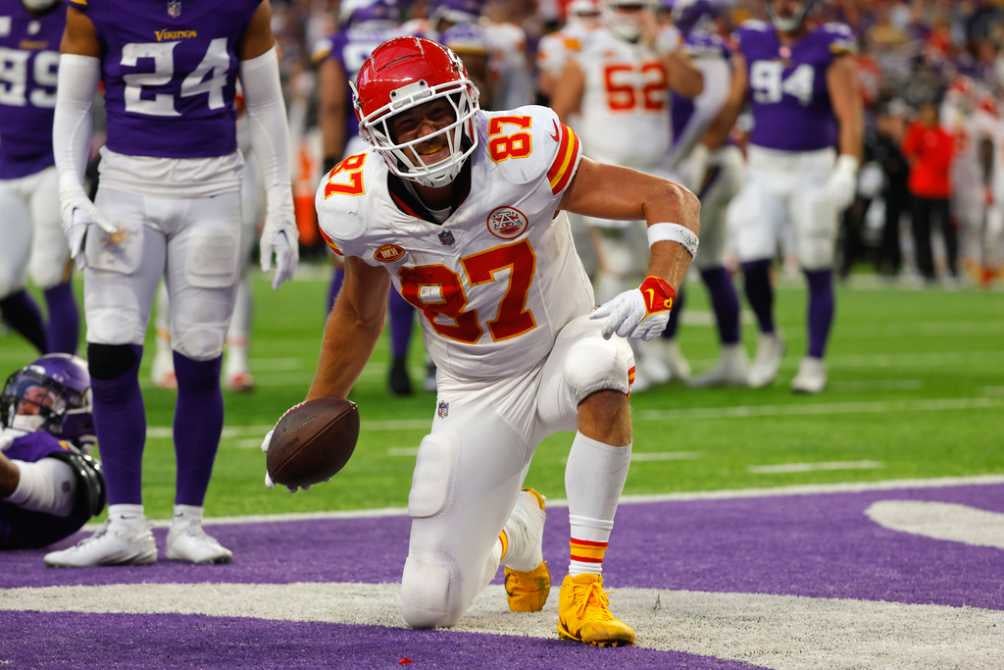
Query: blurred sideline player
{"type": "Point", "coordinates": [49, 486]}
{"type": "Point", "coordinates": [236, 371]}
{"type": "Point", "coordinates": [619, 85]}
{"type": "Point", "coordinates": [555, 48]}
{"type": "Point", "coordinates": [168, 207]}
{"type": "Point", "coordinates": [363, 24]}
{"type": "Point", "coordinates": [457, 208]}
{"type": "Point", "coordinates": [715, 176]}
{"type": "Point", "coordinates": [33, 242]}
{"type": "Point", "coordinates": [805, 102]}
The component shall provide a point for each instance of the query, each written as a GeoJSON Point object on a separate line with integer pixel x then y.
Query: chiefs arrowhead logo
{"type": "Point", "coordinates": [506, 222]}
{"type": "Point", "coordinates": [389, 253]}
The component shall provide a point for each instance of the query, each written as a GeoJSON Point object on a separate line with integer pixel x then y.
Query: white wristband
{"type": "Point", "coordinates": [673, 232]}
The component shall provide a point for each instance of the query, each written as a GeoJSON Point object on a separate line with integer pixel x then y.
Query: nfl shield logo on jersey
{"type": "Point", "coordinates": [174, 8]}
{"type": "Point", "coordinates": [506, 222]}
{"type": "Point", "coordinates": [443, 409]}
{"type": "Point", "coordinates": [446, 238]}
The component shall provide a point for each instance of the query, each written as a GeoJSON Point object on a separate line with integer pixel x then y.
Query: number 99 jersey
{"type": "Point", "coordinates": [170, 70]}
{"type": "Point", "coordinates": [788, 90]}
{"type": "Point", "coordinates": [29, 63]}
{"type": "Point", "coordinates": [498, 279]}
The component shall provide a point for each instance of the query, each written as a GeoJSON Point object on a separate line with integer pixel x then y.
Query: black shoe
{"type": "Point", "coordinates": [398, 380]}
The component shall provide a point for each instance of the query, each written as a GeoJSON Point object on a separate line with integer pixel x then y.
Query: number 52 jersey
{"type": "Point", "coordinates": [499, 278]}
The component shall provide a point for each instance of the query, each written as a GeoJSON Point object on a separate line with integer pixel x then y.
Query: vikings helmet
{"type": "Point", "coordinates": [52, 394]}
{"type": "Point", "coordinates": [687, 14]}
{"type": "Point", "coordinates": [403, 73]}
{"type": "Point", "coordinates": [356, 12]}
{"type": "Point", "coordinates": [790, 24]}
{"type": "Point", "coordinates": [456, 11]}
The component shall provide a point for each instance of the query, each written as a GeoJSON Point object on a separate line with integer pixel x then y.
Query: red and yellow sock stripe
{"type": "Point", "coordinates": [587, 551]}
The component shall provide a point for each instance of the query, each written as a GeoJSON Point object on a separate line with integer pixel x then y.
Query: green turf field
{"type": "Point", "coordinates": [916, 390]}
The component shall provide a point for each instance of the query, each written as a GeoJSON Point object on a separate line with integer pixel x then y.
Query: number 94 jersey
{"type": "Point", "coordinates": [170, 70]}
{"type": "Point", "coordinates": [788, 91]}
{"type": "Point", "coordinates": [498, 279]}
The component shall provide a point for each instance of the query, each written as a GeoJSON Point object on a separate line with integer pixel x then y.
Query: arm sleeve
{"type": "Point", "coordinates": [71, 128]}
{"type": "Point", "coordinates": [266, 112]}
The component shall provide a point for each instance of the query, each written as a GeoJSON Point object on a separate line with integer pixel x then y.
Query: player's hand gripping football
{"type": "Point", "coordinates": [78, 214]}
{"type": "Point", "coordinates": [280, 238]}
{"type": "Point", "coordinates": [641, 313]}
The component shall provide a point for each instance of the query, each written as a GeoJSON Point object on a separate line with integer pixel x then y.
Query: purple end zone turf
{"type": "Point", "coordinates": [809, 545]}
{"type": "Point", "coordinates": [168, 641]}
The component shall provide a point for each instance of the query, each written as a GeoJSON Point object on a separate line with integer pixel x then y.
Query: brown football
{"type": "Point", "coordinates": [313, 441]}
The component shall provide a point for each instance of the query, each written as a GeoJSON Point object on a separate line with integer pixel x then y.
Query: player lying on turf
{"type": "Point", "coordinates": [49, 487]}
{"type": "Point", "coordinates": [462, 210]}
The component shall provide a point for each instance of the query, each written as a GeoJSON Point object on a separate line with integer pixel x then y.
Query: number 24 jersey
{"type": "Point", "coordinates": [498, 279]}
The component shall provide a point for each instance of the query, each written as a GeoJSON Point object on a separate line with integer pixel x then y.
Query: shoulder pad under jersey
{"type": "Point", "coordinates": [344, 200]}
{"type": "Point", "coordinates": [839, 38]}
{"type": "Point", "coordinates": [553, 153]}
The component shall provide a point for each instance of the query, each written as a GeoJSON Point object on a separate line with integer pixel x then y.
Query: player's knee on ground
{"type": "Point", "coordinates": [594, 364]}
{"type": "Point", "coordinates": [430, 591]}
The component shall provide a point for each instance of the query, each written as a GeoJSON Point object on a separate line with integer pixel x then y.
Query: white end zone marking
{"type": "Point", "coordinates": [783, 632]}
{"type": "Point", "coordinates": [941, 521]}
{"type": "Point", "coordinates": [789, 468]}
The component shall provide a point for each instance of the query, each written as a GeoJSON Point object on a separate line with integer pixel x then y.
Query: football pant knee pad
{"type": "Point", "coordinates": [430, 591]}
{"type": "Point", "coordinates": [108, 361]}
{"type": "Point", "coordinates": [431, 480]}
{"type": "Point", "coordinates": [815, 218]}
{"type": "Point", "coordinates": [52, 272]}
{"type": "Point", "coordinates": [198, 341]}
{"type": "Point", "coordinates": [594, 364]}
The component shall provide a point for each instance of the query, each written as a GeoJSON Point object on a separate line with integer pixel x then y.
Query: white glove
{"type": "Point", "coordinates": [264, 448]}
{"type": "Point", "coordinates": [640, 314]}
{"type": "Point", "coordinates": [78, 213]}
{"type": "Point", "coordinates": [843, 181]}
{"type": "Point", "coordinates": [280, 237]}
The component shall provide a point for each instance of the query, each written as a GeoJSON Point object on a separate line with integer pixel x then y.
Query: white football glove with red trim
{"type": "Point", "coordinates": [639, 314]}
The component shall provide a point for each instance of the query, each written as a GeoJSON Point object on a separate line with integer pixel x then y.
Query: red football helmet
{"type": "Point", "coordinates": [403, 73]}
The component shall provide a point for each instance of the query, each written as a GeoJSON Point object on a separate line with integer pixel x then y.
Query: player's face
{"type": "Point", "coordinates": [34, 399]}
{"type": "Point", "coordinates": [786, 9]}
{"type": "Point", "coordinates": [424, 121]}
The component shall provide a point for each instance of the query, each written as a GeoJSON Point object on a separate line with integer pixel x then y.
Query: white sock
{"type": "Point", "coordinates": [126, 514]}
{"type": "Point", "coordinates": [187, 514]}
{"type": "Point", "coordinates": [594, 480]}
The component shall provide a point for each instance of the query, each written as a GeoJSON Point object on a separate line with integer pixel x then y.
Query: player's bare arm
{"type": "Point", "coordinates": [683, 77]}
{"type": "Point", "coordinates": [258, 37]}
{"type": "Point", "coordinates": [612, 192]}
{"type": "Point", "coordinates": [332, 107]}
{"type": "Point", "coordinates": [351, 330]}
{"type": "Point", "coordinates": [842, 83]}
{"type": "Point", "coordinates": [568, 90]}
{"type": "Point", "coordinates": [718, 131]}
{"type": "Point", "coordinates": [80, 37]}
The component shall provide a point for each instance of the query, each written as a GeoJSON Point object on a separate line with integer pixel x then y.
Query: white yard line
{"type": "Point", "coordinates": [790, 468]}
{"type": "Point", "coordinates": [784, 632]}
{"type": "Point", "coordinates": [940, 521]}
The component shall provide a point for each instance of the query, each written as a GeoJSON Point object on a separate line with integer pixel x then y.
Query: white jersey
{"type": "Point", "coordinates": [556, 48]}
{"type": "Point", "coordinates": [625, 118]}
{"type": "Point", "coordinates": [499, 278]}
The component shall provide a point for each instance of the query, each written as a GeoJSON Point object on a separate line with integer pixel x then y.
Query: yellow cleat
{"type": "Point", "coordinates": [528, 591]}
{"type": "Point", "coordinates": [584, 614]}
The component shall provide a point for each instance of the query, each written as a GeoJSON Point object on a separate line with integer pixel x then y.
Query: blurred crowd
{"type": "Point", "coordinates": [929, 70]}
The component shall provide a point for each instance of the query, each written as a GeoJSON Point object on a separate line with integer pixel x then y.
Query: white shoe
{"type": "Point", "coordinates": [769, 352]}
{"type": "Point", "coordinates": [525, 528]}
{"type": "Point", "coordinates": [239, 381]}
{"type": "Point", "coordinates": [811, 377]}
{"type": "Point", "coordinates": [650, 360]}
{"type": "Point", "coordinates": [162, 371]}
{"type": "Point", "coordinates": [112, 544]}
{"type": "Point", "coordinates": [679, 367]}
{"type": "Point", "coordinates": [732, 369]}
{"type": "Point", "coordinates": [188, 542]}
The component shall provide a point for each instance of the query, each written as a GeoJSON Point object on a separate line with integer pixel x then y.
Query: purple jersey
{"type": "Point", "coordinates": [789, 96]}
{"type": "Point", "coordinates": [698, 44]}
{"type": "Point", "coordinates": [21, 529]}
{"type": "Point", "coordinates": [350, 48]}
{"type": "Point", "coordinates": [170, 69]}
{"type": "Point", "coordinates": [29, 62]}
